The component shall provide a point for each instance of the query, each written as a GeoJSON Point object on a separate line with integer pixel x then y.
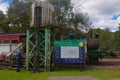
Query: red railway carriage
{"type": "Point", "coordinates": [12, 38]}
{"type": "Point", "coordinates": [8, 42]}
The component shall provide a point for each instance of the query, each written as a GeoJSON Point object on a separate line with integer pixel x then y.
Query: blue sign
{"type": "Point", "coordinates": [67, 58]}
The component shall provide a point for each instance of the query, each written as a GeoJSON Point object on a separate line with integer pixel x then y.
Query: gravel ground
{"type": "Point", "coordinates": [116, 79]}
{"type": "Point", "coordinates": [75, 78]}
{"type": "Point", "coordinates": [72, 78]}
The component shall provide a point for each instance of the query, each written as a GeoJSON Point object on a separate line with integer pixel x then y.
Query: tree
{"type": "Point", "coordinates": [109, 41]}
{"type": "Point", "coordinates": [3, 23]}
{"type": "Point", "coordinates": [64, 15]}
{"type": "Point", "coordinates": [2, 19]}
{"type": "Point", "coordinates": [63, 11]}
{"type": "Point", "coordinates": [107, 29]}
{"type": "Point", "coordinates": [19, 15]}
{"type": "Point", "coordinates": [116, 41]}
{"type": "Point", "coordinates": [2, 16]}
{"type": "Point", "coordinates": [80, 21]}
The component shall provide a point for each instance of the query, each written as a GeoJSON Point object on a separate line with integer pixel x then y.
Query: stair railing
{"type": "Point", "coordinates": [11, 53]}
{"type": "Point", "coordinates": [18, 46]}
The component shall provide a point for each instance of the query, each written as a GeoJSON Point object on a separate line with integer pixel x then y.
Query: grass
{"type": "Point", "coordinates": [27, 75]}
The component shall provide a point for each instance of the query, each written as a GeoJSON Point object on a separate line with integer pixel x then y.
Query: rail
{"type": "Point", "coordinates": [14, 50]}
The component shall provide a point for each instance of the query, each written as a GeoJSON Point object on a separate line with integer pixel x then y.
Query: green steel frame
{"type": "Point", "coordinates": [38, 58]}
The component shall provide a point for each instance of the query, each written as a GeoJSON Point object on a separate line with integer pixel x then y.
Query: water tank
{"type": "Point", "coordinates": [45, 13]}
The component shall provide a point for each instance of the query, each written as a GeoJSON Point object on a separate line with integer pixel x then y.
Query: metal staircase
{"type": "Point", "coordinates": [10, 59]}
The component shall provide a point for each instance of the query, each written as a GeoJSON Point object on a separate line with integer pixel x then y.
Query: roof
{"type": "Point", "coordinates": [12, 34]}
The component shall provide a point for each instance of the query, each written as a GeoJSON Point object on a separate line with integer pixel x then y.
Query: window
{"type": "Point", "coordinates": [15, 41]}
{"type": "Point", "coordinates": [6, 41]}
{"type": "Point", "coordinates": [23, 39]}
{"type": "Point", "coordinates": [0, 42]}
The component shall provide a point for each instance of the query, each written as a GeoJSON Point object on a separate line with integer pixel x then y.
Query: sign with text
{"type": "Point", "coordinates": [69, 52]}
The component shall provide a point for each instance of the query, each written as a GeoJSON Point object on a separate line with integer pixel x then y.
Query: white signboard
{"type": "Point", "coordinates": [69, 52]}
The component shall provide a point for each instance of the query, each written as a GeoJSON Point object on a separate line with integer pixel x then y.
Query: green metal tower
{"type": "Point", "coordinates": [39, 39]}
{"type": "Point", "coordinates": [38, 57]}
{"type": "Point", "coordinates": [38, 45]}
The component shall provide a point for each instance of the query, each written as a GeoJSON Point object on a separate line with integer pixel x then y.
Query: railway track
{"type": "Point", "coordinates": [108, 61]}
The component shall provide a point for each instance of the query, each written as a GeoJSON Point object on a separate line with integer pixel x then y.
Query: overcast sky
{"type": "Point", "coordinates": [102, 13]}
{"type": "Point", "coordinates": [3, 5]}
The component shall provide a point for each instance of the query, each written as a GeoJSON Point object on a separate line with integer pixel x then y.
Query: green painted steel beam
{"type": "Point", "coordinates": [44, 51]}
{"type": "Point", "coordinates": [47, 49]}
{"type": "Point", "coordinates": [27, 49]}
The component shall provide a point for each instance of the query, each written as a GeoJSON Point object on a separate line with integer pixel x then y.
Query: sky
{"type": "Point", "coordinates": [4, 4]}
{"type": "Point", "coordinates": [102, 13]}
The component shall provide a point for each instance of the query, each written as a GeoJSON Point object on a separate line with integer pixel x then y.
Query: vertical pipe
{"type": "Point", "coordinates": [37, 24]}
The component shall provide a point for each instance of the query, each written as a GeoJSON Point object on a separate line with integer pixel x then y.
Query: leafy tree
{"type": "Point", "coordinates": [116, 41]}
{"type": "Point", "coordinates": [63, 11]}
{"type": "Point", "coordinates": [64, 15]}
{"type": "Point", "coordinates": [3, 23]}
{"type": "Point", "coordinates": [2, 16]}
{"type": "Point", "coordinates": [109, 41]}
{"type": "Point", "coordinates": [107, 29]}
{"type": "Point", "coordinates": [80, 21]}
{"type": "Point", "coordinates": [18, 15]}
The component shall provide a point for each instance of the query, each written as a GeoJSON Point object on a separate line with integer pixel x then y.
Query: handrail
{"type": "Point", "coordinates": [14, 50]}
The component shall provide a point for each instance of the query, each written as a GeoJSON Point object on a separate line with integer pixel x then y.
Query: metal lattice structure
{"type": "Point", "coordinates": [38, 38]}
{"type": "Point", "coordinates": [38, 58]}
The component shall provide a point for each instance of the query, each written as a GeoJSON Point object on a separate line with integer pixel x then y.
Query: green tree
{"type": "Point", "coordinates": [2, 19]}
{"type": "Point", "coordinates": [64, 15]}
{"type": "Point", "coordinates": [63, 11]}
{"type": "Point", "coordinates": [3, 23]}
{"type": "Point", "coordinates": [2, 16]}
{"type": "Point", "coordinates": [80, 21]}
{"type": "Point", "coordinates": [107, 29]}
{"type": "Point", "coordinates": [19, 15]}
{"type": "Point", "coordinates": [116, 41]}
